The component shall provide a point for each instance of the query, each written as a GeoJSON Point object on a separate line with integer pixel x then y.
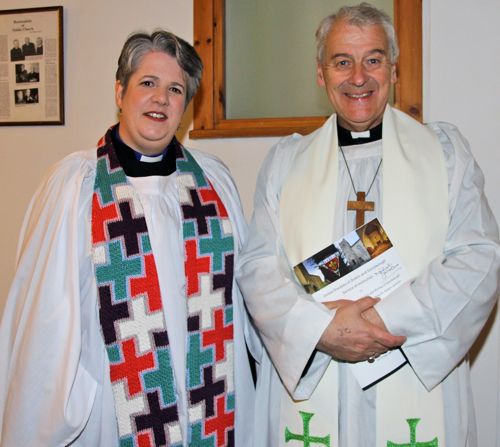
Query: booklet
{"type": "Point", "coordinates": [362, 263]}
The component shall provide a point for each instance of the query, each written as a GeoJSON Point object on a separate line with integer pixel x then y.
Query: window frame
{"type": "Point", "coordinates": [209, 120]}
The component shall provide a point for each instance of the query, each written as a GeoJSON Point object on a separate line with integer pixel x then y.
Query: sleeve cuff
{"type": "Point", "coordinates": [307, 324]}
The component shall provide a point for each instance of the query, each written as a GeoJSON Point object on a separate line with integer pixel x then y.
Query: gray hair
{"type": "Point", "coordinates": [139, 44]}
{"type": "Point", "coordinates": [363, 14]}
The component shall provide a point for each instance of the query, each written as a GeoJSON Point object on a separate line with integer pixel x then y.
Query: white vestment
{"type": "Point", "coordinates": [54, 374]}
{"type": "Point", "coordinates": [441, 312]}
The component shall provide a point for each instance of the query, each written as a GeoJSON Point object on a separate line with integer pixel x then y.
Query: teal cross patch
{"type": "Point", "coordinates": [413, 437]}
{"type": "Point", "coordinates": [217, 245]}
{"type": "Point", "coordinates": [189, 165]}
{"type": "Point", "coordinates": [107, 180]}
{"type": "Point", "coordinates": [118, 270]}
{"type": "Point", "coordinates": [162, 378]}
{"type": "Point", "coordinates": [196, 438]}
{"type": "Point", "coordinates": [306, 439]}
{"type": "Point", "coordinates": [196, 358]}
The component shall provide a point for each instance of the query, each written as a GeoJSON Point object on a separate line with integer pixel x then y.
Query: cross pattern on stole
{"type": "Point", "coordinates": [306, 438]}
{"type": "Point", "coordinates": [413, 437]}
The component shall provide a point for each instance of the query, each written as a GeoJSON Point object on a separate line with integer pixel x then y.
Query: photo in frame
{"type": "Point", "coordinates": [31, 66]}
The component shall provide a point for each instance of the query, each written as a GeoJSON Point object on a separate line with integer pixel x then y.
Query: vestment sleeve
{"type": "Point", "coordinates": [46, 395]}
{"type": "Point", "coordinates": [445, 308]}
{"type": "Point", "coordinates": [289, 320]}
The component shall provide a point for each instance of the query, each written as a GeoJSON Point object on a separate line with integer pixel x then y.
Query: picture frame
{"type": "Point", "coordinates": [31, 66]}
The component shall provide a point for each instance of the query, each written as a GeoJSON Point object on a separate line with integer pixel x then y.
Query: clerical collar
{"type": "Point", "coordinates": [349, 138]}
{"type": "Point", "coordinates": [136, 164]}
{"type": "Point", "coordinates": [150, 158]}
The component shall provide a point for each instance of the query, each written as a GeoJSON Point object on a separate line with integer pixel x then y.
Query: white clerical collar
{"type": "Point", "coordinates": [348, 137]}
{"type": "Point", "coordinates": [149, 158]}
{"type": "Point", "coordinates": [356, 135]}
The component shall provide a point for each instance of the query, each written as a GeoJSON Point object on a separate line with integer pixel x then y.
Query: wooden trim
{"type": "Point", "coordinates": [209, 103]}
{"type": "Point", "coordinates": [219, 62]}
{"type": "Point", "coordinates": [204, 45]}
{"type": "Point", "coordinates": [271, 127]}
{"type": "Point", "coordinates": [408, 93]}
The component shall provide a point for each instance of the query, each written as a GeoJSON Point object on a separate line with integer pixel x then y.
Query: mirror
{"type": "Point", "coordinates": [261, 34]}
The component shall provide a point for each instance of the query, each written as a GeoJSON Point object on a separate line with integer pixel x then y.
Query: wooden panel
{"type": "Point", "coordinates": [204, 44]}
{"type": "Point", "coordinates": [209, 103]}
{"type": "Point", "coordinates": [219, 63]}
{"type": "Point", "coordinates": [409, 87]}
{"type": "Point", "coordinates": [260, 127]}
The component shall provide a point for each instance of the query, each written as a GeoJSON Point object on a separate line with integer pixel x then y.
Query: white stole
{"type": "Point", "coordinates": [415, 216]}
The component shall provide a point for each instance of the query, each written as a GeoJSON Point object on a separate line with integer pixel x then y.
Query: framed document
{"type": "Point", "coordinates": [31, 66]}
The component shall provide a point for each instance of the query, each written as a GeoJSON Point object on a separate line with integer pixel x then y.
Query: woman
{"type": "Point", "coordinates": [124, 325]}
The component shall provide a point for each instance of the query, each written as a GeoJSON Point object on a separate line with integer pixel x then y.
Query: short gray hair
{"type": "Point", "coordinates": [363, 14]}
{"type": "Point", "coordinates": [139, 44]}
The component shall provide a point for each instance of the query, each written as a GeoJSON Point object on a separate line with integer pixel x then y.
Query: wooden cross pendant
{"type": "Point", "coordinates": [361, 206]}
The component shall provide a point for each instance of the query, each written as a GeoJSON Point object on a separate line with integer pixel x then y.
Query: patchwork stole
{"type": "Point", "coordinates": [131, 311]}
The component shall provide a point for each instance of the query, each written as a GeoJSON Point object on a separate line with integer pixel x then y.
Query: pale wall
{"type": "Point", "coordinates": [461, 68]}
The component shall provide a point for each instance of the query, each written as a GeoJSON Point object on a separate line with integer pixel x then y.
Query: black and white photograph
{"type": "Point", "coordinates": [26, 96]}
{"type": "Point", "coordinates": [27, 72]}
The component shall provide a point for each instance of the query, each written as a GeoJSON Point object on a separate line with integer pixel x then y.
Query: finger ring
{"type": "Point", "coordinates": [371, 359]}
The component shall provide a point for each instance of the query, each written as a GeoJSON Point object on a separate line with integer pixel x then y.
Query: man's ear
{"type": "Point", "coordinates": [394, 73]}
{"type": "Point", "coordinates": [319, 74]}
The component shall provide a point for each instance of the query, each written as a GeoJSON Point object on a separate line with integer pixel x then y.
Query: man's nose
{"type": "Point", "coordinates": [359, 75]}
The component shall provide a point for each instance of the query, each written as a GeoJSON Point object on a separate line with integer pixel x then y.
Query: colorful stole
{"type": "Point", "coordinates": [131, 310]}
{"type": "Point", "coordinates": [414, 188]}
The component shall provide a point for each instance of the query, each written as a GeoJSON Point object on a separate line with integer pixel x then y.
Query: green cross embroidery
{"type": "Point", "coordinates": [162, 378]}
{"type": "Point", "coordinates": [197, 438]}
{"type": "Point", "coordinates": [118, 270]}
{"type": "Point", "coordinates": [108, 179]}
{"type": "Point", "coordinates": [196, 358]}
{"type": "Point", "coordinates": [413, 437]}
{"type": "Point", "coordinates": [306, 439]}
{"type": "Point", "coordinates": [217, 245]}
{"type": "Point", "coordinates": [190, 166]}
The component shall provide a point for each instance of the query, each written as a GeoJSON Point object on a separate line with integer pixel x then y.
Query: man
{"type": "Point", "coordinates": [39, 46]}
{"type": "Point", "coordinates": [427, 192]}
{"type": "Point", "coordinates": [28, 47]}
{"type": "Point", "coordinates": [16, 54]}
{"type": "Point", "coordinates": [19, 97]}
{"type": "Point", "coordinates": [21, 73]}
{"type": "Point", "coordinates": [124, 325]}
{"type": "Point", "coordinates": [31, 95]}
{"type": "Point", "coordinates": [34, 74]}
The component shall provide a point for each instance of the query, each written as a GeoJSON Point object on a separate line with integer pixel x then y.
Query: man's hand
{"type": "Point", "coordinates": [357, 332]}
